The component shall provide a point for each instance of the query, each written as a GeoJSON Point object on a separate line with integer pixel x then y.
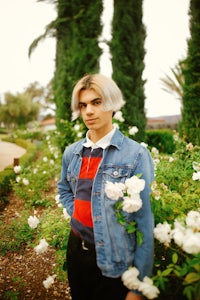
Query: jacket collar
{"type": "Point", "coordinates": [116, 141]}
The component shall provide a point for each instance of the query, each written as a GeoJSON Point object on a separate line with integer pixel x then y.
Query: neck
{"type": "Point", "coordinates": [95, 135]}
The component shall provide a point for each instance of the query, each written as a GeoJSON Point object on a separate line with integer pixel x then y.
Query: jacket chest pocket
{"type": "Point", "coordinates": [116, 173]}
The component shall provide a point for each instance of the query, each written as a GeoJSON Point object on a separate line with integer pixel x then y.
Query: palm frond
{"type": "Point", "coordinates": [49, 32]}
{"type": "Point", "coordinates": [174, 83]}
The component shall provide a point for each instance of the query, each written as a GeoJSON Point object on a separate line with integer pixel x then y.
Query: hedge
{"type": "Point", "coordinates": [163, 140]}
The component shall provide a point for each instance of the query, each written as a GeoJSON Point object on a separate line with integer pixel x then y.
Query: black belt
{"type": "Point", "coordinates": [86, 246]}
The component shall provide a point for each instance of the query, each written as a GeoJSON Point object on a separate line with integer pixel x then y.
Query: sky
{"type": "Point", "coordinates": [21, 21]}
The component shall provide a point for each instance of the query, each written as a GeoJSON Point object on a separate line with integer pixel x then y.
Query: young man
{"type": "Point", "coordinates": [99, 249]}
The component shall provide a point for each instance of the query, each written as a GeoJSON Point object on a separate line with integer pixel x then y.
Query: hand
{"type": "Point", "coordinates": [132, 296]}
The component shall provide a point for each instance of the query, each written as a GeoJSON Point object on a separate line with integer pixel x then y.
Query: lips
{"type": "Point", "coordinates": [90, 121]}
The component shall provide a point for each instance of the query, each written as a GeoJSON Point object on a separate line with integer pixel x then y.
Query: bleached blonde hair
{"type": "Point", "coordinates": [110, 93]}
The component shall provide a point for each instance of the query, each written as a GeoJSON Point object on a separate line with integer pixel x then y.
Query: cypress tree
{"type": "Point", "coordinates": [190, 127]}
{"type": "Point", "coordinates": [127, 49]}
{"type": "Point", "coordinates": [77, 50]}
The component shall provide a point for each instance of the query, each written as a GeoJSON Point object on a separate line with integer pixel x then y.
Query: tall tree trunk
{"type": "Point", "coordinates": [127, 49]}
{"type": "Point", "coordinates": [77, 50]}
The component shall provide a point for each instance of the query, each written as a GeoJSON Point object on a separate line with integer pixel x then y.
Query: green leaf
{"type": "Point", "coordinates": [119, 205]}
{"type": "Point", "coordinates": [139, 175]}
{"type": "Point", "coordinates": [121, 221]}
{"type": "Point", "coordinates": [192, 277]}
{"type": "Point", "coordinates": [197, 267]}
{"type": "Point", "coordinates": [167, 272]}
{"type": "Point", "coordinates": [130, 228]}
{"type": "Point", "coordinates": [139, 235]}
{"type": "Point", "coordinates": [188, 292]}
{"type": "Point", "coordinates": [197, 291]}
{"type": "Point", "coordinates": [175, 258]}
{"type": "Point", "coordinates": [177, 273]}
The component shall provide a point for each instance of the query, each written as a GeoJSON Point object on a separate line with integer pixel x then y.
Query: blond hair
{"type": "Point", "coordinates": [102, 85]}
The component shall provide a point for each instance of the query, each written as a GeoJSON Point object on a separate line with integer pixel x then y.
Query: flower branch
{"type": "Point", "coordinates": [128, 194]}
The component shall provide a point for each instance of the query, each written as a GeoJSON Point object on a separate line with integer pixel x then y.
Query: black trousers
{"type": "Point", "coordinates": [85, 278]}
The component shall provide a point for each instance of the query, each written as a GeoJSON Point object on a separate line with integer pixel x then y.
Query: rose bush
{"type": "Point", "coordinates": [175, 202]}
{"type": "Point", "coordinates": [176, 205]}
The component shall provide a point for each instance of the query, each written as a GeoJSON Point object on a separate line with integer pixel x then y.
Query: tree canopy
{"type": "Point", "coordinates": [191, 89]}
{"type": "Point", "coordinates": [18, 110]}
{"type": "Point", "coordinates": [77, 53]}
{"type": "Point", "coordinates": [127, 49]}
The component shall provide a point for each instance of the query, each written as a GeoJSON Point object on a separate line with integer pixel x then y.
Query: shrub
{"type": "Point", "coordinates": [15, 234]}
{"type": "Point", "coordinates": [6, 177]}
{"type": "Point", "coordinates": [28, 134]}
{"type": "Point", "coordinates": [72, 131]}
{"type": "Point", "coordinates": [163, 140]}
{"type": "Point", "coordinates": [33, 182]}
{"type": "Point", "coordinates": [175, 193]}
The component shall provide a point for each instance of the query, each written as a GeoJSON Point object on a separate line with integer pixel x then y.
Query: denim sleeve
{"type": "Point", "coordinates": [64, 188]}
{"type": "Point", "coordinates": [144, 253]}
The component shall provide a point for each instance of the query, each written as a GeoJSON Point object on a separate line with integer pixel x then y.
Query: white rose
{"type": "Point", "coordinates": [49, 281]}
{"type": "Point", "coordinates": [130, 279]}
{"type": "Point", "coordinates": [196, 176]}
{"type": "Point", "coordinates": [132, 204]}
{"type": "Point", "coordinates": [178, 233]}
{"type": "Point", "coordinates": [193, 220]}
{"type": "Point", "coordinates": [77, 127]}
{"type": "Point", "coordinates": [33, 222]}
{"type": "Point", "coordinates": [144, 144]}
{"type": "Point", "coordinates": [191, 243]}
{"type": "Point", "coordinates": [57, 198]}
{"type": "Point", "coordinates": [133, 130]}
{"type": "Point", "coordinates": [114, 191]}
{"type": "Point", "coordinates": [118, 116]}
{"type": "Point", "coordinates": [154, 150]}
{"type": "Point", "coordinates": [25, 181]}
{"type": "Point", "coordinates": [147, 288]}
{"type": "Point", "coordinates": [18, 178]}
{"type": "Point", "coordinates": [79, 134]}
{"type": "Point", "coordinates": [162, 232]}
{"type": "Point", "coordinates": [65, 213]}
{"type": "Point", "coordinates": [134, 185]}
{"type": "Point", "coordinates": [42, 247]}
{"type": "Point", "coordinates": [17, 169]}
{"type": "Point", "coordinates": [196, 166]}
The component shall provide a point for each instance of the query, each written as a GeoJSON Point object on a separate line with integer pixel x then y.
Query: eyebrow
{"type": "Point", "coordinates": [93, 100]}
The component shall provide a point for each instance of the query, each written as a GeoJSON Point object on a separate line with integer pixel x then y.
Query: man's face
{"type": "Point", "coordinates": [90, 105]}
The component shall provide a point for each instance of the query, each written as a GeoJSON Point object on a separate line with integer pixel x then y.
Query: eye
{"type": "Point", "coordinates": [82, 105]}
{"type": "Point", "coordinates": [97, 102]}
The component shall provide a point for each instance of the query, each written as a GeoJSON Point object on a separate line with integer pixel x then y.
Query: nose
{"type": "Point", "coordinates": [89, 109]}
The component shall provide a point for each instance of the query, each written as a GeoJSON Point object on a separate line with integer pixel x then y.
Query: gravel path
{"type": "Point", "coordinates": [9, 151]}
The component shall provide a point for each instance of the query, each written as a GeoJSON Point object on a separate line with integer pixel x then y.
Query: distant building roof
{"type": "Point", "coordinates": [155, 121]}
{"type": "Point", "coordinates": [46, 122]}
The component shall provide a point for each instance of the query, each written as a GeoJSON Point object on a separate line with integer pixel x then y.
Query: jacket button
{"type": "Point", "coordinates": [115, 173]}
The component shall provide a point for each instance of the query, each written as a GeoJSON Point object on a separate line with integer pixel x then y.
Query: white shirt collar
{"type": "Point", "coordinates": [102, 143]}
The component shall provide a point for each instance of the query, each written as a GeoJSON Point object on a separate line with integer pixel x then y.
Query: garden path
{"type": "Point", "coordinates": [9, 151]}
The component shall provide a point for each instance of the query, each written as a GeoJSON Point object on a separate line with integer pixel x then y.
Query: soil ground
{"type": "Point", "coordinates": [22, 274]}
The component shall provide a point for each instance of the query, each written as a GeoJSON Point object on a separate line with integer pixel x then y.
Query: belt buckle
{"type": "Point", "coordinates": [83, 246]}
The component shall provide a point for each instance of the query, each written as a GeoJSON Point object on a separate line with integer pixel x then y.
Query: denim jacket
{"type": "Point", "coordinates": [116, 250]}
